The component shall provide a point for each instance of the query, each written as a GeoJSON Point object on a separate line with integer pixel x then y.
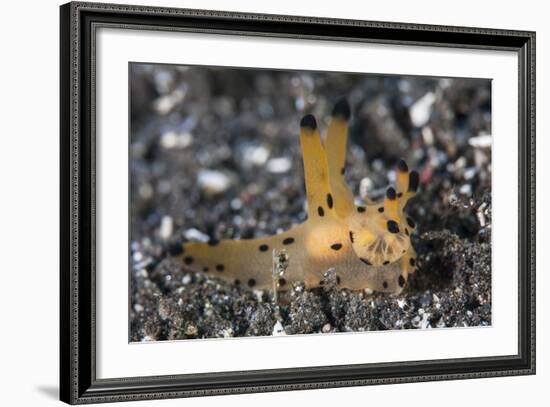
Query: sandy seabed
{"type": "Point", "coordinates": [215, 154]}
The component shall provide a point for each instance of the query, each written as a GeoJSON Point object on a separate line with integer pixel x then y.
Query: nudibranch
{"type": "Point", "coordinates": [366, 246]}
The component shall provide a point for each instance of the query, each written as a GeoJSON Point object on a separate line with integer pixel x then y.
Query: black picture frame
{"type": "Point", "coordinates": [78, 382]}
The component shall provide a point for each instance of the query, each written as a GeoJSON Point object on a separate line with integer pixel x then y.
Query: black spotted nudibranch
{"type": "Point", "coordinates": [366, 246]}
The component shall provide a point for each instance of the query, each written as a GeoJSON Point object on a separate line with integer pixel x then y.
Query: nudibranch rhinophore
{"type": "Point", "coordinates": [367, 246]}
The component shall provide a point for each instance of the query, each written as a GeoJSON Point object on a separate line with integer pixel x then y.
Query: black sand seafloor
{"type": "Point", "coordinates": [214, 153]}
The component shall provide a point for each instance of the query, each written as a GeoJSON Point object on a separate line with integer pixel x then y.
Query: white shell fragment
{"type": "Point", "coordinates": [174, 139]}
{"type": "Point", "coordinates": [196, 235]}
{"type": "Point", "coordinates": [484, 140]}
{"type": "Point", "coordinates": [166, 227]}
{"type": "Point", "coordinates": [278, 329]}
{"type": "Point", "coordinates": [213, 182]}
{"type": "Point", "coordinates": [279, 165]}
{"type": "Point", "coordinates": [421, 110]}
{"type": "Point", "coordinates": [255, 156]}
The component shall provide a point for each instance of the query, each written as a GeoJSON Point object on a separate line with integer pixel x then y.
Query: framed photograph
{"type": "Point", "coordinates": [256, 203]}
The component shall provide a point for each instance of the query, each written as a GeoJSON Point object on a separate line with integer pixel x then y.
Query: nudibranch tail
{"type": "Point", "coordinates": [247, 262]}
{"type": "Point", "coordinates": [365, 246]}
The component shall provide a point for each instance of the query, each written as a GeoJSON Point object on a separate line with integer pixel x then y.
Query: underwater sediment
{"type": "Point", "coordinates": [225, 162]}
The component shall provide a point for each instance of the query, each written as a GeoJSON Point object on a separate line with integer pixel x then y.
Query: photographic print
{"type": "Point", "coordinates": [273, 202]}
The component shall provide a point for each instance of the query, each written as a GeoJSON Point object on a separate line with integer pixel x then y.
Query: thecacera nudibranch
{"type": "Point", "coordinates": [366, 246]}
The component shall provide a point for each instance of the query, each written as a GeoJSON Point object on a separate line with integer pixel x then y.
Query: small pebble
{"type": "Point", "coordinates": [466, 189]}
{"type": "Point", "coordinates": [470, 173]}
{"type": "Point", "coordinates": [236, 204]}
{"type": "Point", "coordinates": [365, 187]}
{"type": "Point", "coordinates": [191, 330]}
{"type": "Point", "coordinates": [196, 235]}
{"type": "Point", "coordinates": [279, 165]}
{"type": "Point", "coordinates": [278, 329]}
{"type": "Point", "coordinates": [484, 140]}
{"type": "Point", "coordinates": [165, 104]}
{"type": "Point", "coordinates": [166, 227]}
{"type": "Point", "coordinates": [227, 333]}
{"type": "Point", "coordinates": [421, 110]}
{"type": "Point", "coordinates": [213, 182]}
{"type": "Point", "coordinates": [173, 139]}
{"type": "Point", "coordinates": [145, 191]}
{"type": "Point", "coordinates": [427, 135]}
{"type": "Point", "coordinates": [164, 80]}
{"type": "Point", "coordinates": [255, 155]}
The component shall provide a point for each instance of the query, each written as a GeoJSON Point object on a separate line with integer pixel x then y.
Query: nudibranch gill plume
{"type": "Point", "coordinates": [366, 246]}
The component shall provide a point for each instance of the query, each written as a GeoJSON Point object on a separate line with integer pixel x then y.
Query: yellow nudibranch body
{"type": "Point", "coordinates": [367, 247]}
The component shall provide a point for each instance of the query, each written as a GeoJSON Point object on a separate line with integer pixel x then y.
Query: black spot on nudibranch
{"type": "Point", "coordinates": [402, 166]}
{"type": "Point", "coordinates": [188, 260]}
{"type": "Point", "coordinates": [251, 282]}
{"type": "Point", "coordinates": [336, 246]}
{"type": "Point", "coordinates": [321, 211]}
{"type": "Point", "coordinates": [342, 109]}
{"type": "Point", "coordinates": [351, 236]}
{"type": "Point", "coordinates": [412, 262]}
{"type": "Point", "coordinates": [399, 194]}
{"type": "Point", "coordinates": [368, 263]}
{"type": "Point", "coordinates": [386, 262]}
{"type": "Point", "coordinates": [220, 268]}
{"type": "Point", "coordinates": [263, 248]}
{"type": "Point", "coordinates": [401, 281]}
{"type": "Point", "coordinates": [413, 181]}
{"type": "Point", "coordinates": [410, 222]}
{"type": "Point", "coordinates": [343, 170]}
{"type": "Point", "coordinates": [407, 231]}
{"type": "Point", "coordinates": [393, 227]}
{"type": "Point", "coordinates": [308, 121]}
{"type": "Point", "coordinates": [288, 240]}
{"type": "Point", "coordinates": [338, 280]}
{"type": "Point", "coordinates": [390, 193]}
{"type": "Point", "coordinates": [381, 209]}
{"type": "Point", "coordinates": [385, 284]}
{"type": "Point", "coordinates": [237, 282]}
{"type": "Point", "coordinates": [282, 282]}
{"type": "Point", "coordinates": [361, 209]}
{"type": "Point", "coordinates": [330, 203]}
